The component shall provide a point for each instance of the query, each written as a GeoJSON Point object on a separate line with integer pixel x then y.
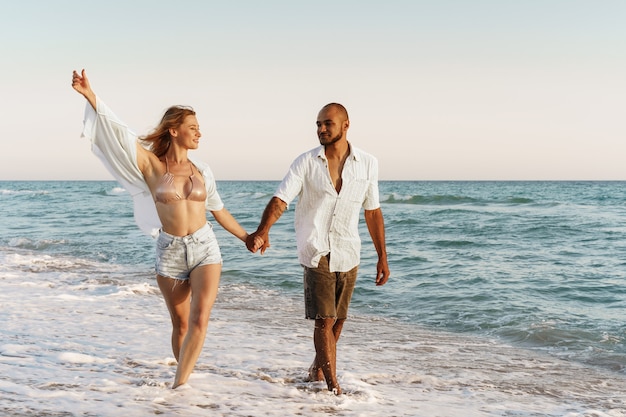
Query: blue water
{"type": "Point", "coordinates": [540, 265]}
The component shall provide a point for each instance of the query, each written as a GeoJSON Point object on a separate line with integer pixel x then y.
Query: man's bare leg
{"type": "Point", "coordinates": [325, 337]}
{"type": "Point", "coordinates": [315, 371]}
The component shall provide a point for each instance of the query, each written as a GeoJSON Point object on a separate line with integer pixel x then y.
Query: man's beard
{"type": "Point", "coordinates": [330, 141]}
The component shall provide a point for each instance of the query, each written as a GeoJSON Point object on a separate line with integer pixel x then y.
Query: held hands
{"type": "Point", "coordinates": [272, 212]}
{"type": "Point", "coordinates": [256, 241]}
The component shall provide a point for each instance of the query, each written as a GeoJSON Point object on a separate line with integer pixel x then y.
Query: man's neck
{"type": "Point", "coordinates": [338, 150]}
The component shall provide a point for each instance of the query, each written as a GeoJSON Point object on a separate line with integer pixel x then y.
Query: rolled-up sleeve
{"type": "Point", "coordinates": [372, 195]}
{"type": "Point", "coordinates": [291, 185]}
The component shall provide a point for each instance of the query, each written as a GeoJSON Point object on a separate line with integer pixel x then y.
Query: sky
{"type": "Point", "coordinates": [436, 90]}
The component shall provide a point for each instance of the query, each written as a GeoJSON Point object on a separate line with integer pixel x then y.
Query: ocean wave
{"type": "Point", "coordinates": [23, 192]}
{"type": "Point", "coordinates": [588, 346]}
{"type": "Point", "coordinates": [450, 199]}
{"type": "Point", "coordinates": [39, 245]}
{"type": "Point", "coordinates": [20, 260]}
{"type": "Point", "coordinates": [33, 263]}
{"type": "Point", "coordinates": [455, 243]}
{"type": "Point", "coordinates": [257, 195]}
{"type": "Point", "coordinates": [115, 191]}
{"type": "Point", "coordinates": [520, 200]}
{"type": "Point", "coordinates": [429, 200]}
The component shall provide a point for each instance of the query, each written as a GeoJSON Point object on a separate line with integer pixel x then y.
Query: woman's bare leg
{"type": "Point", "coordinates": [204, 282]}
{"type": "Point", "coordinates": [176, 294]}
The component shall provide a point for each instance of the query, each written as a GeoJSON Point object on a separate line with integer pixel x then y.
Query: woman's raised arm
{"type": "Point", "coordinates": [80, 83]}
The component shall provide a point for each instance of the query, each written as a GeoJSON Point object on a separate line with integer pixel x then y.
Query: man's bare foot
{"type": "Point", "coordinates": [335, 390]}
{"type": "Point", "coordinates": [315, 373]}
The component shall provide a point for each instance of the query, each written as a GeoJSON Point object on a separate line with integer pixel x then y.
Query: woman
{"type": "Point", "coordinates": [171, 195]}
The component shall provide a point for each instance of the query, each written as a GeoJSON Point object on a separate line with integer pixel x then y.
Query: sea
{"type": "Point", "coordinates": [505, 299]}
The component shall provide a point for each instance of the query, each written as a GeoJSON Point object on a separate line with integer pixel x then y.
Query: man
{"type": "Point", "coordinates": [332, 182]}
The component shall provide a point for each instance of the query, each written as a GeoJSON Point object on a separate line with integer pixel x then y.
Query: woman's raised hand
{"type": "Point", "coordinates": [80, 83]}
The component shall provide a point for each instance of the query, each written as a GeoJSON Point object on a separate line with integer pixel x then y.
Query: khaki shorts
{"type": "Point", "coordinates": [327, 294]}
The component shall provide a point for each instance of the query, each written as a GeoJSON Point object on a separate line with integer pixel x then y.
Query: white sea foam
{"type": "Point", "coordinates": [9, 192]}
{"type": "Point", "coordinates": [117, 191]}
{"type": "Point", "coordinates": [68, 347]}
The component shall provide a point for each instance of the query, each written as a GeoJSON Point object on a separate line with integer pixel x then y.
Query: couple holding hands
{"type": "Point", "coordinates": [172, 193]}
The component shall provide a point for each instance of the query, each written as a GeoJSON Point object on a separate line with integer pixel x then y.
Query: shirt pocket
{"type": "Point", "coordinates": [355, 190]}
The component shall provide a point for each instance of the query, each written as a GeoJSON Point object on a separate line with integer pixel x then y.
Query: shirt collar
{"type": "Point", "coordinates": [354, 153]}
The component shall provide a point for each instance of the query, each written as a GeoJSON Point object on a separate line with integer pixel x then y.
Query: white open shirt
{"type": "Point", "coordinates": [327, 221]}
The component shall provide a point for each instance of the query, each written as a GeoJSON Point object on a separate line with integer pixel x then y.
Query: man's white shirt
{"type": "Point", "coordinates": [327, 221]}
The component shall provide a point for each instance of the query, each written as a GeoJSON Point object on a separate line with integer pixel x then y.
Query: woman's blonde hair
{"type": "Point", "coordinates": [159, 139]}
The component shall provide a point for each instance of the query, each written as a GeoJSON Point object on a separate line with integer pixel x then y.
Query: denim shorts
{"type": "Point", "coordinates": [327, 294]}
{"type": "Point", "coordinates": [177, 256]}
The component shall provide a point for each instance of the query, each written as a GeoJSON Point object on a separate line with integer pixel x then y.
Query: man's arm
{"type": "Point", "coordinates": [274, 209]}
{"type": "Point", "coordinates": [376, 227]}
